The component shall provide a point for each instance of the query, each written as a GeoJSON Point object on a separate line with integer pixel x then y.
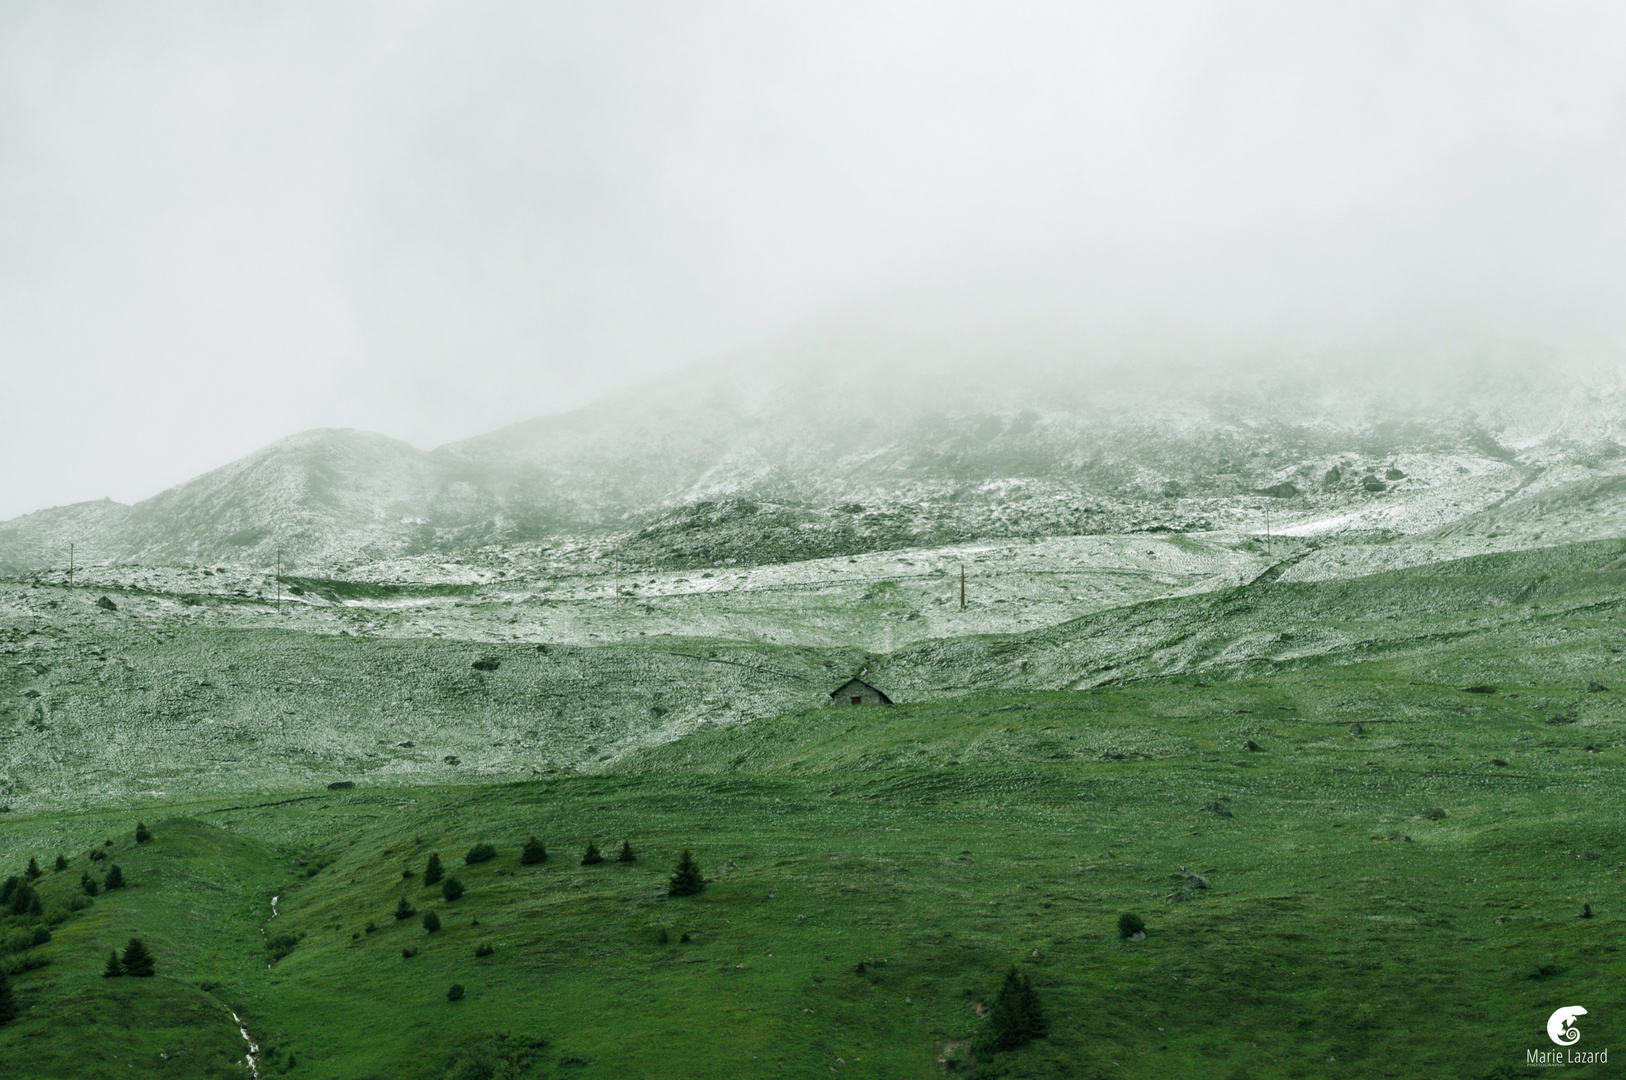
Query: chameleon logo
{"type": "Point", "coordinates": [1559, 1027]}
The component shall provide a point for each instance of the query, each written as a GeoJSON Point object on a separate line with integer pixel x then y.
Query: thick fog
{"type": "Point", "coordinates": [221, 224]}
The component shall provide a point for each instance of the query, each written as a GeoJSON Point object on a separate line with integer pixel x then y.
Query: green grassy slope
{"type": "Point", "coordinates": [1329, 945]}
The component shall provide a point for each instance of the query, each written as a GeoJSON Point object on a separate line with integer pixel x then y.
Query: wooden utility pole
{"type": "Point", "coordinates": [279, 581]}
{"type": "Point", "coordinates": [962, 588]}
{"type": "Point", "coordinates": [70, 566]}
{"type": "Point", "coordinates": [1267, 528]}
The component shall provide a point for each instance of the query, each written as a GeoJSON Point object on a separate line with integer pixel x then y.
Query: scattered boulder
{"type": "Point", "coordinates": [1373, 484]}
{"type": "Point", "coordinates": [1588, 856]}
{"type": "Point", "coordinates": [1561, 719]}
{"type": "Point", "coordinates": [1283, 490]}
{"type": "Point", "coordinates": [1433, 813]}
{"type": "Point", "coordinates": [1251, 745]}
{"type": "Point", "coordinates": [1217, 808]}
{"type": "Point", "coordinates": [1480, 688]}
{"type": "Point", "coordinates": [1193, 879]}
{"type": "Point", "coordinates": [106, 604]}
{"type": "Point", "coordinates": [1499, 762]}
{"type": "Point", "coordinates": [1394, 474]}
{"type": "Point", "coordinates": [341, 785]}
{"type": "Point", "coordinates": [1332, 476]}
{"type": "Point", "coordinates": [1356, 729]}
{"type": "Point", "coordinates": [1595, 687]}
{"type": "Point", "coordinates": [486, 663]}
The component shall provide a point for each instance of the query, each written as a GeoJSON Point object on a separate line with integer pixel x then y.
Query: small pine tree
{"type": "Point", "coordinates": [404, 910]}
{"type": "Point", "coordinates": [455, 993]}
{"type": "Point", "coordinates": [431, 922]}
{"type": "Point", "coordinates": [451, 889]}
{"type": "Point", "coordinates": [626, 852]}
{"type": "Point", "coordinates": [433, 872]}
{"type": "Point", "coordinates": [592, 855]}
{"type": "Point", "coordinates": [22, 899]}
{"type": "Point", "coordinates": [115, 878]}
{"type": "Point", "coordinates": [533, 852]}
{"type": "Point", "coordinates": [479, 853]}
{"type": "Point", "coordinates": [114, 969]}
{"type": "Point", "coordinates": [137, 960]}
{"type": "Point", "coordinates": [8, 1001]}
{"type": "Point", "coordinates": [9, 888]}
{"type": "Point", "coordinates": [1016, 1018]}
{"type": "Point", "coordinates": [142, 834]}
{"type": "Point", "coordinates": [33, 872]}
{"type": "Point", "coordinates": [61, 862]}
{"type": "Point", "coordinates": [687, 880]}
{"type": "Point", "coordinates": [88, 883]}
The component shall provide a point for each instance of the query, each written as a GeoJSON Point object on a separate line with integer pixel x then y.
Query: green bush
{"type": "Point", "coordinates": [480, 853]}
{"type": "Point", "coordinates": [433, 872]}
{"type": "Point", "coordinates": [115, 878]}
{"type": "Point", "coordinates": [483, 949]}
{"type": "Point", "coordinates": [687, 879]}
{"type": "Point", "coordinates": [33, 872]}
{"type": "Point", "coordinates": [1130, 924]}
{"type": "Point", "coordinates": [24, 901]}
{"type": "Point", "coordinates": [61, 862]}
{"type": "Point", "coordinates": [8, 1000]}
{"type": "Point", "coordinates": [114, 968]}
{"type": "Point", "coordinates": [404, 910]}
{"type": "Point", "coordinates": [142, 835]}
{"type": "Point", "coordinates": [626, 852]}
{"type": "Point", "coordinates": [281, 945]}
{"type": "Point", "coordinates": [1016, 1018]}
{"type": "Point", "coordinates": [451, 888]}
{"type": "Point", "coordinates": [455, 992]}
{"type": "Point", "coordinates": [592, 857]}
{"type": "Point", "coordinates": [533, 852]}
{"type": "Point", "coordinates": [137, 960]}
{"type": "Point", "coordinates": [88, 883]}
{"type": "Point", "coordinates": [431, 921]}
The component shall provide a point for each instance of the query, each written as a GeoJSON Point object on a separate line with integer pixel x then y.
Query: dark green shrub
{"type": "Point", "coordinates": [61, 862]}
{"type": "Point", "coordinates": [592, 856]}
{"type": "Point", "coordinates": [137, 960]}
{"type": "Point", "coordinates": [97, 855]}
{"type": "Point", "coordinates": [115, 878]}
{"type": "Point", "coordinates": [33, 872]}
{"type": "Point", "coordinates": [371, 927]}
{"type": "Point", "coordinates": [483, 949]}
{"type": "Point", "coordinates": [1130, 924]}
{"type": "Point", "coordinates": [663, 937]}
{"type": "Point", "coordinates": [687, 879]}
{"type": "Point", "coordinates": [433, 872]}
{"type": "Point", "coordinates": [9, 889]}
{"type": "Point", "coordinates": [24, 900]}
{"type": "Point", "coordinates": [281, 945]}
{"type": "Point", "coordinates": [88, 883]}
{"type": "Point", "coordinates": [684, 940]}
{"type": "Point", "coordinates": [114, 969]}
{"type": "Point", "coordinates": [455, 992]}
{"type": "Point", "coordinates": [533, 852]}
{"type": "Point", "coordinates": [626, 853]}
{"type": "Point", "coordinates": [408, 954]}
{"type": "Point", "coordinates": [431, 921]}
{"type": "Point", "coordinates": [480, 853]}
{"type": "Point", "coordinates": [451, 888]}
{"type": "Point", "coordinates": [404, 910]}
{"type": "Point", "coordinates": [1016, 1018]}
{"type": "Point", "coordinates": [8, 1000]}
{"type": "Point", "coordinates": [142, 835]}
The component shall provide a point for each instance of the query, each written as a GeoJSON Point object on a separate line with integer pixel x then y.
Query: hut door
{"type": "Point", "coordinates": [858, 699]}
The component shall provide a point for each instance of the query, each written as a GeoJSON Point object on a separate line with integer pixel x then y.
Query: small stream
{"type": "Point", "coordinates": [253, 1047]}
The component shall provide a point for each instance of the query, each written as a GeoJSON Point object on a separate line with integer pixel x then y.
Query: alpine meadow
{"type": "Point", "coordinates": [896, 541]}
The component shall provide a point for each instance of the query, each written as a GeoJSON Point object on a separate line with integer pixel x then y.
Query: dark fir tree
{"type": "Point", "coordinates": [686, 880]}
{"type": "Point", "coordinates": [626, 852]}
{"type": "Point", "coordinates": [114, 969]}
{"type": "Point", "coordinates": [142, 835]}
{"type": "Point", "coordinates": [24, 900]}
{"type": "Point", "coordinates": [115, 878]}
{"type": "Point", "coordinates": [451, 888]}
{"type": "Point", "coordinates": [9, 889]}
{"type": "Point", "coordinates": [1016, 1018]}
{"type": "Point", "coordinates": [479, 853]}
{"type": "Point", "coordinates": [88, 883]}
{"type": "Point", "coordinates": [533, 852]}
{"type": "Point", "coordinates": [137, 960]}
{"type": "Point", "coordinates": [33, 872]}
{"type": "Point", "coordinates": [8, 1000]}
{"type": "Point", "coordinates": [404, 910]}
{"type": "Point", "coordinates": [61, 862]}
{"type": "Point", "coordinates": [455, 993]}
{"type": "Point", "coordinates": [433, 872]}
{"type": "Point", "coordinates": [592, 855]}
{"type": "Point", "coordinates": [431, 922]}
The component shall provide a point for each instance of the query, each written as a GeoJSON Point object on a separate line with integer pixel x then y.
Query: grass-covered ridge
{"type": "Point", "coordinates": [937, 845]}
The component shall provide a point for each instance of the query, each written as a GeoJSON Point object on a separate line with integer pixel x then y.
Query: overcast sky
{"type": "Point", "coordinates": [225, 223]}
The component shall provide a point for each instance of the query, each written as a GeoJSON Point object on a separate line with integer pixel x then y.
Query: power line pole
{"type": "Point", "coordinates": [70, 566]}
{"type": "Point", "coordinates": [279, 581]}
{"type": "Point", "coordinates": [962, 588]}
{"type": "Point", "coordinates": [1267, 528]}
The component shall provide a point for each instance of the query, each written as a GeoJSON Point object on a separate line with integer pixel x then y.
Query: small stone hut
{"type": "Point", "coordinates": [858, 692]}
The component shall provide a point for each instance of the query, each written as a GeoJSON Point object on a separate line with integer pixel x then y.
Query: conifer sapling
{"type": "Point", "coordinates": [533, 852]}
{"type": "Point", "coordinates": [687, 879]}
{"type": "Point", "coordinates": [114, 969]}
{"type": "Point", "coordinates": [451, 889]}
{"type": "Point", "coordinates": [592, 855]}
{"type": "Point", "coordinates": [433, 872]}
{"type": "Point", "coordinates": [137, 960]}
{"type": "Point", "coordinates": [626, 852]}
